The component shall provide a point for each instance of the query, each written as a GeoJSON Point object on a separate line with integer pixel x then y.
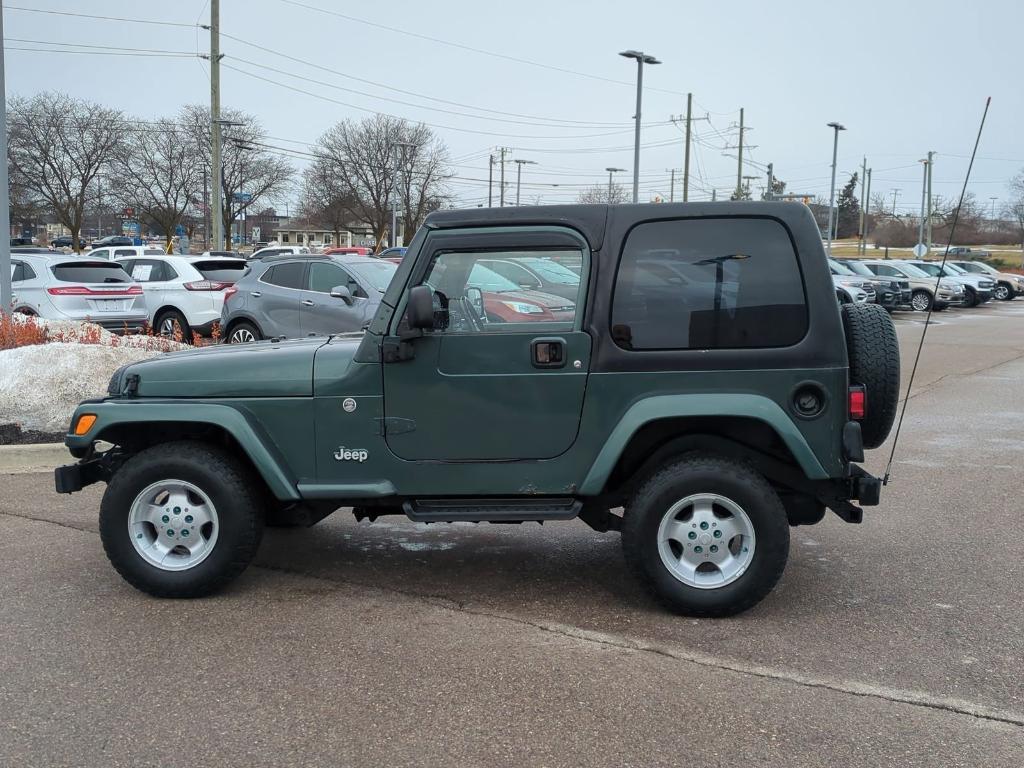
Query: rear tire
{"type": "Point", "coordinates": [244, 332]}
{"type": "Point", "coordinates": [168, 320]}
{"type": "Point", "coordinates": [149, 536]}
{"type": "Point", "coordinates": [670, 536]}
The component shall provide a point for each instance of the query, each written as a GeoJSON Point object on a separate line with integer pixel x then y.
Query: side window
{"type": "Point", "coordinates": [27, 272]}
{"type": "Point", "coordinates": [728, 283]}
{"type": "Point", "coordinates": [285, 275]}
{"type": "Point", "coordinates": [884, 270]}
{"type": "Point", "coordinates": [143, 270]}
{"type": "Point", "coordinates": [477, 298]}
{"type": "Point", "coordinates": [124, 252]}
{"type": "Point", "coordinates": [17, 271]}
{"type": "Point", "coordinates": [101, 253]}
{"type": "Point", "coordinates": [323, 277]}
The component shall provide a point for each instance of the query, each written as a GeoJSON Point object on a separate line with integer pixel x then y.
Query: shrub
{"type": "Point", "coordinates": [20, 331]}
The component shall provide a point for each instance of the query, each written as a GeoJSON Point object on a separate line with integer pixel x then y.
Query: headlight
{"type": "Point", "coordinates": [523, 308]}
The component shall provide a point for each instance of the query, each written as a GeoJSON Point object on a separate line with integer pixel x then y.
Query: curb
{"type": "Point", "coordinates": [34, 457]}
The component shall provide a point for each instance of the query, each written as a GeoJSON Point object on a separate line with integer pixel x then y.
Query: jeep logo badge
{"type": "Point", "coordinates": [351, 454]}
{"type": "Point", "coordinates": [348, 404]}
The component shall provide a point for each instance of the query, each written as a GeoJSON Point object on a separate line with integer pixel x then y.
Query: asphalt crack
{"type": "Point", "coordinates": [619, 642]}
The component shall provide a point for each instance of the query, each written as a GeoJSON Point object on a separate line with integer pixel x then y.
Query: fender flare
{"type": "Point", "coordinates": [247, 432]}
{"type": "Point", "coordinates": [670, 406]}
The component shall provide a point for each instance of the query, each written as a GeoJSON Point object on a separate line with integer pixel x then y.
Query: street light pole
{"type": "Point", "coordinates": [641, 59]}
{"type": "Point", "coordinates": [836, 127]}
{"type": "Point", "coordinates": [610, 172]}
{"type": "Point", "coordinates": [519, 175]}
{"type": "Point", "coordinates": [393, 239]}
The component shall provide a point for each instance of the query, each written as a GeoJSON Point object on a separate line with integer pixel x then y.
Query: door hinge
{"type": "Point", "coordinates": [395, 425]}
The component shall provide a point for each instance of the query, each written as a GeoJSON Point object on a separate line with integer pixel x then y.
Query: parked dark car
{"type": "Point", "coordinates": [296, 295]}
{"type": "Point", "coordinates": [890, 292]}
{"type": "Point", "coordinates": [66, 242]}
{"type": "Point", "coordinates": [19, 241]}
{"type": "Point", "coordinates": [109, 240]}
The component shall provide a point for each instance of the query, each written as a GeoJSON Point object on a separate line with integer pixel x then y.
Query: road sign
{"type": "Point", "coordinates": [255, 234]}
{"type": "Point", "coordinates": [920, 250]}
{"type": "Point", "coordinates": [242, 197]}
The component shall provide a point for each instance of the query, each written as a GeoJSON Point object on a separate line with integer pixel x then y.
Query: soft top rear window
{"type": "Point", "coordinates": [90, 272]}
{"type": "Point", "coordinates": [221, 270]}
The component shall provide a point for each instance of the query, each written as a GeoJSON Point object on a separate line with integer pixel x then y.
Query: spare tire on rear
{"type": "Point", "coordinates": [873, 351]}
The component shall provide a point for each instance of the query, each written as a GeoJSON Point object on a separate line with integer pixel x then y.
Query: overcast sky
{"type": "Point", "coordinates": [903, 77]}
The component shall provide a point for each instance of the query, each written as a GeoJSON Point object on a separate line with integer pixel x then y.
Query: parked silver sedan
{"type": "Point", "coordinates": [60, 287]}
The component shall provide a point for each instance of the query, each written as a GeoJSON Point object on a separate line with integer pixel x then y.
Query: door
{"type": "Point", "coordinates": [275, 299]}
{"type": "Point", "coordinates": [154, 276]}
{"type": "Point", "coordinates": [324, 314]}
{"type": "Point", "coordinates": [502, 376]}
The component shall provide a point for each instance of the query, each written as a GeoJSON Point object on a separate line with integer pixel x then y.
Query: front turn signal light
{"type": "Point", "coordinates": [84, 423]}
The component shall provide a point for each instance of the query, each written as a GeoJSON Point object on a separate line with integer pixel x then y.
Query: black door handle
{"type": "Point", "coordinates": [547, 353]}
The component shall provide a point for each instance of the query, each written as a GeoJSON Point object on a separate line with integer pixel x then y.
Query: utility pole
{"type": "Point", "coordinates": [867, 196]}
{"type": "Point", "coordinates": [924, 192]}
{"type": "Point", "coordinates": [928, 224]}
{"type": "Point", "coordinates": [502, 190]}
{"type": "Point", "coordinates": [836, 128]}
{"type": "Point", "coordinates": [863, 215]}
{"type": "Point", "coordinates": [672, 186]}
{"type": "Point", "coordinates": [686, 153]}
{"type": "Point", "coordinates": [714, 195]}
{"type": "Point", "coordinates": [216, 186]}
{"type": "Point", "coordinates": [206, 208]}
{"type": "Point", "coordinates": [490, 182]}
{"type": "Point", "coordinates": [6, 295]}
{"type": "Point", "coordinates": [610, 172]}
{"type": "Point", "coordinates": [895, 194]}
{"type": "Point", "coordinates": [398, 146]}
{"type": "Point", "coordinates": [519, 175]}
{"type": "Point", "coordinates": [770, 194]}
{"type": "Point", "coordinates": [739, 167]}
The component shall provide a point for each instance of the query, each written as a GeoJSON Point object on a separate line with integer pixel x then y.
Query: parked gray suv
{"type": "Point", "coordinates": [296, 295]}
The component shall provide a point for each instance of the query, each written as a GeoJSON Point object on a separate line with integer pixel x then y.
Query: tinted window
{"type": "Point", "coordinates": [17, 271]}
{"type": "Point", "coordinates": [706, 283]}
{"type": "Point", "coordinates": [220, 270]}
{"type": "Point", "coordinates": [129, 252]}
{"type": "Point", "coordinates": [932, 270]}
{"type": "Point", "coordinates": [378, 274]}
{"type": "Point", "coordinates": [102, 253]}
{"type": "Point", "coordinates": [857, 268]}
{"type": "Point", "coordinates": [324, 277]}
{"type": "Point", "coordinates": [90, 272]}
{"type": "Point", "coordinates": [285, 275]}
{"type": "Point", "coordinates": [153, 252]}
{"type": "Point", "coordinates": [145, 270]}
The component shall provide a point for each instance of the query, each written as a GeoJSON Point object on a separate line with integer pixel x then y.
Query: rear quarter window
{"type": "Point", "coordinates": [90, 272]}
{"type": "Point", "coordinates": [729, 283]}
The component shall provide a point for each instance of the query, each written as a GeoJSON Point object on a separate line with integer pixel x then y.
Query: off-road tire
{"type": "Point", "coordinates": [700, 473]}
{"type": "Point", "coordinates": [231, 487]}
{"type": "Point", "coordinates": [175, 318]}
{"type": "Point", "coordinates": [873, 351]}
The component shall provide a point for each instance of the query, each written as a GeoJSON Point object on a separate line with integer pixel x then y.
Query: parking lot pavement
{"type": "Point", "coordinates": [897, 642]}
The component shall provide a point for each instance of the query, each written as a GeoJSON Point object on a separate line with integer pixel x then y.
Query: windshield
{"type": "Point", "coordinates": [378, 274]}
{"type": "Point", "coordinates": [912, 270]}
{"type": "Point", "coordinates": [928, 270]}
{"type": "Point", "coordinates": [954, 269]}
{"type": "Point", "coordinates": [859, 269]}
{"type": "Point", "coordinates": [839, 268]}
{"type": "Point", "coordinates": [552, 271]}
{"type": "Point", "coordinates": [488, 280]}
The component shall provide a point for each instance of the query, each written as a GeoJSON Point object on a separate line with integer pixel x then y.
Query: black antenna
{"type": "Point", "coordinates": [938, 279]}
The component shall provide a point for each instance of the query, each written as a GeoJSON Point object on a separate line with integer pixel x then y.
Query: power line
{"type": "Point", "coordinates": [470, 48]}
{"type": "Point", "coordinates": [104, 18]}
{"type": "Point", "coordinates": [103, 53]}
{"type": "Point", "coordinates": [103, 47]}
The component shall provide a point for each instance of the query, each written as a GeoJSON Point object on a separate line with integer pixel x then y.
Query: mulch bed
{"type": "Point", "coordinates": [13, 434]}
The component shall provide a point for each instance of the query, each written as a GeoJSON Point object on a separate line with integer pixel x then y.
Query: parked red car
{"type": "Point", "coordinates": [352, 250]}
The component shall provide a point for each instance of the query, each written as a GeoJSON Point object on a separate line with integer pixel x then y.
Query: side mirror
{"type": "Point", "coordinates": [342, 292]}
{"type": "Point", "coordinates": [420, 310]}
{"type": "Point", "coordinates": [475, 297]}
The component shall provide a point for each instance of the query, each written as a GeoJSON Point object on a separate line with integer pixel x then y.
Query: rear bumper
{"type": "Point", "coordinates": [122, 326]}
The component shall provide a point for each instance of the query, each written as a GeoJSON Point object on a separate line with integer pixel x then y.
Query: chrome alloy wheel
{"type": "Point", "coordinates": [706, 541]}
{"type": "Point", "coordinates": [173, 525]}
{"type": "Point", "coordinates": [167, 327]}
{"type": "Point", "coordinates": [242, 336]}
{"type": "Point", "coordinates": [920, 302]}
{"type": "Point", "coordinates": [1002, 291]}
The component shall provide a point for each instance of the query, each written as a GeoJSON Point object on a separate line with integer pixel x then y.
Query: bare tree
{"type": "Point", "coordinates": [368, 156]}
{"type": "Point", "coordinates": [250, 173]}
{"type": "Point", "coordinates": [325, 197]}
{"type": "Point", "coordinates": [58, 147]}
{"type": "Point", "coordinates": [1014, 210]}
{"type": "Point", "coordinates": [602, 194]}
{"type": "Point", "coordinates": [160, 174]}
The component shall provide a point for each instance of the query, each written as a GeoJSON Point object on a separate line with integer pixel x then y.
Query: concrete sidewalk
{"type": "Point", "coordinates": [39, 457]}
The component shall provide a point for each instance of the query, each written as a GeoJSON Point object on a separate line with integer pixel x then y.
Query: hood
{"type": "Point", "coordinates": [261, 369]}
{"type": "Point", "coordinates": [541, 299]}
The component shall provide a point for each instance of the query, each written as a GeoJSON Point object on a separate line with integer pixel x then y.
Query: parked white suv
{"type": "Point", "coordinates": [59, 287]}
{"type": "Point", "coordinates": [184, 290]}
{"type": "Point", "coordinates": [278, 250]}
{"type": "Point", "coordinates": [123, 252]}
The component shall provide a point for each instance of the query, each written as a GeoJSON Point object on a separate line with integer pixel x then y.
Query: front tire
{"type": "Point", "coordinates": [181, 519]}
{"type": "Point", "coordinates": [921, 300]}
{"type": "Point", "coordinates": [707, 536]}
{"type": "Point", "coordinates": [1004, 292]}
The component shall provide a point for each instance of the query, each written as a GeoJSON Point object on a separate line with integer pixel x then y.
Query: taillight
{"type": "Point", "coordinates": [858, 402]}
{"type": "Point", "coordinates": [206, 285]}
{"type": "Point", "coordinates": [229, 292]}
{"type": "Point", "coordinates": [82, 290]}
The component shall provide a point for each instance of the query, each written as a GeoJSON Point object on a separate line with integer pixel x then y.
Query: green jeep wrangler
{"type": "Point", "coordinates": [700, 392]}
